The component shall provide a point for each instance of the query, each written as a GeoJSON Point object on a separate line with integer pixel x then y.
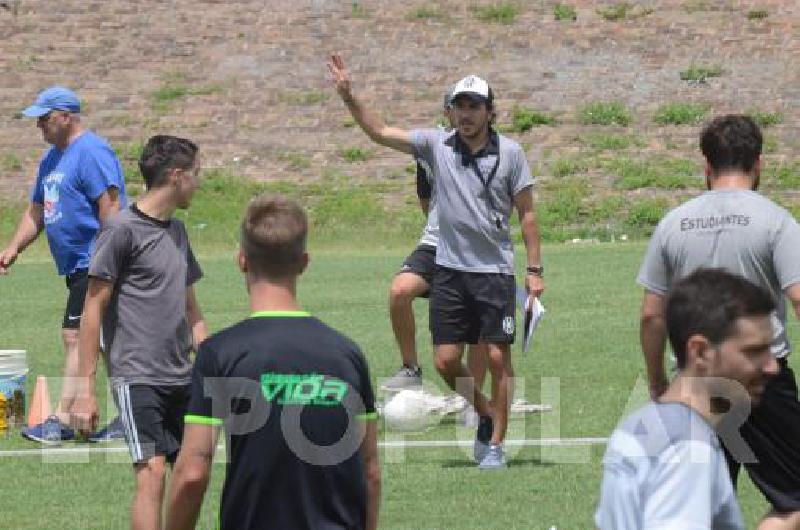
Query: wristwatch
{"type": "Point", "coordinates": [536, 270]}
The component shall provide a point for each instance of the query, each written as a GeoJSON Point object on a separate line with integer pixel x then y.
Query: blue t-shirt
{"type": "Point", "coordinates": [67, 186]}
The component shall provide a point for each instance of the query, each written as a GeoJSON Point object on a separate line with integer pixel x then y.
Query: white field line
{"type": "Point", "coordinates": [391, 444]}
{"type": "Point", "coordinates": [537, 442]}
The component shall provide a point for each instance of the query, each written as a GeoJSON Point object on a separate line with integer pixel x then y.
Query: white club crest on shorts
{"type": "Point", "coordinates": [508, 325]}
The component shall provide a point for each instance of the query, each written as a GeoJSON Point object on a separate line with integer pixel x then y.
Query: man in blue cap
{"type": "Point", "coordinates": [79, 184]}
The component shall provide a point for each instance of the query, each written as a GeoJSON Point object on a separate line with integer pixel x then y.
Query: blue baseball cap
{"type": "Point", "coordinates": [53, 98]}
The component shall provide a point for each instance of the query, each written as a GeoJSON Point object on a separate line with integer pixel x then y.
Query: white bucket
{"type": "Point", "coordinates": [13, 376]}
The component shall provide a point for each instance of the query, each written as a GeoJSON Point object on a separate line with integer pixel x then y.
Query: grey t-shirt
{"type": "Point", "coordinates": [735, 229]}
{"type": "Point", "coordinates": [469, 236]}
{"type": "Point", "coordinates": [664, 469]}
{"type": "Point", "coordinates": [145, 331]}
{"type": "Point", "coordinates": [430, 234]}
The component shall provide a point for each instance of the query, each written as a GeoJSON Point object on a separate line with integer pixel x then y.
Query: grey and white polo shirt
{"type": "Point", "coordinates": [145, 330]}
{"type": "Point", "coordinates": [664, 469]}
{"type": "Point", "coordinates": [734, 229]}
{"type": "Point", "coordinates": [473, 218]}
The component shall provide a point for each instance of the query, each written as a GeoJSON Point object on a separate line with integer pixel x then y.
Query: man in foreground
{"type": "Point", "coordinates": [479, 176]}
{"type": "Point", "coordinates": [733, 227]}
{"type": "Point", "coordinates": [664, 466]}
{"type": "Point", "coordinates": [141, 291]}
{"type": "Point", "coordinates": [79, 186]}
{"type": "Point", "coordinates": [293, 395]}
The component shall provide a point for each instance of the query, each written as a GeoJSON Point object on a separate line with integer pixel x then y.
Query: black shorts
{"type": "Point", "coordinates": [77, 283]}
{"type": "Point", "coordinates": [421, 262]}
{"type": "Point", "coordinates": [468, 306]}
{"type": "Point", "coordinates": [152, 417]}
{"type": "Point", "coordinates": [773, 433]}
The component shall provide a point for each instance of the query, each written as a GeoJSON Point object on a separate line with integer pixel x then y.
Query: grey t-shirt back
{"type": "Point", "coordinates": [734, 229]}
{"type": "Point", "coordinates": [145, 331]}
{"type": "Point", "coordinates": [469, 237]}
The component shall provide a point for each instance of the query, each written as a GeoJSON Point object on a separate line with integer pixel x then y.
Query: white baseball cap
{"type": "Point", "coordinates": [474, 86]}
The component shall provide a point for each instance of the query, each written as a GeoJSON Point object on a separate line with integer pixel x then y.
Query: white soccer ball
{"type": "Point", "coordinates": [407, 411]}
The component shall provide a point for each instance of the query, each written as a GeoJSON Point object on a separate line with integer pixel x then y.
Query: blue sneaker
{"type": "Point", "coordinates": [482, 438]}
{"type": "Point", "coordinates": [51, 432]}
{"type": "Point", "coordinates": [112, 432]}
{"type": "Point", "coordinates": [494, 458]}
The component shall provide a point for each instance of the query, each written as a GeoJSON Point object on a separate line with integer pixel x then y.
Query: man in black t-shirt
{"type": "Point", "coordinates": [293, 395]}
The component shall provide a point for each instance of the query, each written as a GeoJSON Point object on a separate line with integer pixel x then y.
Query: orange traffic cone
{"type": "Point", "coordinates": [40, 404]}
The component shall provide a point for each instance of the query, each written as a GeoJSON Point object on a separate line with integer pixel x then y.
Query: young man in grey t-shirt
{"type": "Point", "coordinates": [664, 466]}
{"type": "Point", "coordinates": [141, 292]}
{"type": "Point", "coordinates": [734, 227]}
{"type": "Point", "coordinates": [414, 280]}
{"type": "Point", "coordinates": [479, 176]}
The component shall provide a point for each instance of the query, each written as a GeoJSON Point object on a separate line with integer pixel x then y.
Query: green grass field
{"type": "Point", "coordinates": [585, 361]}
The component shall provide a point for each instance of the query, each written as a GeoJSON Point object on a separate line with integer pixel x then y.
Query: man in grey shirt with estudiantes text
{"type": "Point", "coordinates": [733, 227]}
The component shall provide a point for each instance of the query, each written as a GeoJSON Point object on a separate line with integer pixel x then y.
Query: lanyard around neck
{"type": "Point", "coordinates": [487, 185]}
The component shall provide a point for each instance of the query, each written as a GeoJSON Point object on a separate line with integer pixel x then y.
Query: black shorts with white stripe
{"type": "Point", "coordinates": [152, 417]}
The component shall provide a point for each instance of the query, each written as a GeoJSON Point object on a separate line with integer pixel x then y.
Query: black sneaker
{"type": "Point", "coordinates": [406, 378]}
{"type": "Point", "coordinates": [482, 438]}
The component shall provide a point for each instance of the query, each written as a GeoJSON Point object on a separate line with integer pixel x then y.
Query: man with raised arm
{"type": "Point", "coordinates": [478, 177]}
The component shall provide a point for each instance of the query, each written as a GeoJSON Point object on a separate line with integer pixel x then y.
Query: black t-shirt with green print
{"type": "Point", "coordinates": [291, 394]}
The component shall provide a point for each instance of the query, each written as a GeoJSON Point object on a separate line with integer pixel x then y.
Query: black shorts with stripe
{"type": "Point", "coordinates": [152, 417]}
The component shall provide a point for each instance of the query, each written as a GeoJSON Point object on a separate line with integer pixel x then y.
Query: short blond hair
{"type": "Point", "coordinates": [273, 236]}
